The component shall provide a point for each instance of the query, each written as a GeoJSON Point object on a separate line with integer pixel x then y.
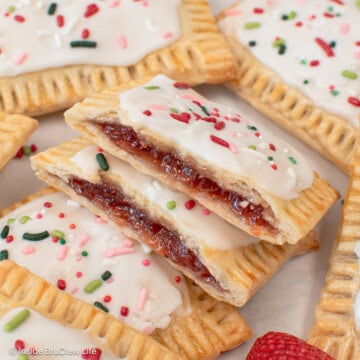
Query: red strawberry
{"type": "Point", "coordinates": [281, 346]}
{"type": "Point", "coordinates": [91, 354]}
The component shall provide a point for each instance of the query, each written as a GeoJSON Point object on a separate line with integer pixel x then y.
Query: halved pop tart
{"type": "Point", "coordinates": [90, 275]}
{"type": "Point", "coordinates": [226, 262]}
{"type": "Point", "coordinates": [228, 163]}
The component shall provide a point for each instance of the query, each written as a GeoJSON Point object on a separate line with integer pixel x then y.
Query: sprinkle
{"type": "Point", "coordinates": [252, 25]}
{"type": "Point", "coordinates": [325, 46]}
{"type": "Point", "coordinates": [20, 153]}
{"type": "Point", "coordinates": [115, 3]}
{"type": "Point", "coordinates": [219, 141]}
{"type": "Point", "coordinates": [345, 28]}
{"type": "Point", "coordinates": [62, 241]}
{"type": "Point", "coordinates": [147, 112]}
{"type": "Point", "coordinates": [272, 147]}
{"type": "Point", "coordinates": [107, 298]}
{"type": "Point", "coordinates": [91, 10]}
{"type": "Point", "coordinates": [4, 255]}
{"type": "Point", "coordinates": [143, 295]}
{"type": "Point", "coordinates": [60, 21]}
{"type": "Point", "coordinates": [274, 166]}
{"type": "Point", "coordinates": [21, 58]}
{"type": "Point", "coordinates": [28, 250]}
{"type": "Point", "coordinates": [257, 10]}
{"type": "Point", "coordinates": [128, 243]}
{"type": "Point", "coordinates": [118, 251]}
{"type": "Point", "coordinates": [354, 101]}
{"type": "Point", "coordinates": [252, 43]}
{"type": "Point", "coordinates": [106, 275]}
{"type": "Point", "coordinates": [177, 279]}
{"type": "Point", "coordinates": [102, 307]}
{"type": "Point", "coordinates": [181, 85]}
{"type": "Point", "coordinates": [19, 18]}
{"type": "Point", "coordinates": [72, 226]}
{"type": "Point", "coordinates": [36, 237]}
{"type": "Point", "coordinates": [183, 117]}
{"type": "Point", "coordinates": [252, 147]}
{"type": "Point", "coordinates": [124, 311]}
{"type": "Point", "coordinates": [62, 253]}
{"type": "Point", "coordinates": [358, 4]}
{"type": "Point", "coordinates": [17, 320]}
{"type": "Point", "coordinates": [92, 286]}
{"type": "Point", "coordinates": [85, 33]}
{"type": "Point", "coordinates": [19, 345]}
{"type": "Point", "coordinates": [206, 212]}
{"type": "Point", "coordinates": [101, 159]}
{"type": "Point", "coordinates": [292, 160]}
{"type": "Point", "coordinates": [282, 49]}
{"type": "Point", "coordinates": [48, 204]}
{"type": "Point", "coordinates": [190, 204]}
{"type": "Point", "coordinates": [349, 74]}
{"type": "Point", "coordinates": [83, 240]}
{"type": "Point", "coordinates": [83, 43]}
{"type": "Point", "coordinates": [146, 262]}
{"type": "Point", "coordinates": [9, 238]}
{"type": "Point", "coordinates": [58, 233]}
{"type": "Point", "coordinates": [84, 253]}
{"type": "Point", "coordinates": [52, 8]}
{"type": "Point", "coordinates": [232, 12]}
{"type": "Point", "coordinates": [61, 284]}
{"type": "Point", "coordinates": [79, 274]}
{"type": "Point", "coordinates": [5, 231]}
{"type": "Point", "coordinates": [233, 148]}
{"type": "Point", "coordinates": [122, 41]}
{"type": "Point", "coordinates": [171, 205]}
{"type": "Point", "coordinates": [167, 34]}
{"type": "Point", "coordinates": [152, 87]}
{"type": "Point", "coordinates": [27, 150]}
{"type": "Point", "coordinates": [219, 125]}
{"type": "Point", "coordinates": [314, 63]}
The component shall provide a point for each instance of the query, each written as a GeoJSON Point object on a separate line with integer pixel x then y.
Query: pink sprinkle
{"type": "Point", "coordinates": [74, 290]}
{"type": "Point", "coordinates": [233, 148]}
{"type": "Point", "coordinates": [63, 250]}
{"type": "Point", "coordinates": [167, 34]}
{"type": "Point", "coordinates": [109, 281]}
{"type": "Point", "coordinates": [128, 243]}
{"type": "Point", "coordinates": [19, 18]}
{"type": "Point", "coordinates": [232, 12]}
{"type": "Point", "coordinates": [145, 3]}
{"type": "Point", "coordinates": [21, 59]}
{"type": "Point", "coordinates": [345, 28]}
{"type": "Point", "coordinates": [331, 87]}
{"type": "Point", "coordinates": [357, 55]}
{"type": "Point", "coordinates": [158, 107]}
{"type": "Point", "coordinates": [118, 251]}
{"type": "Point", "coordinates": [100, 220]}
{"type": "Point", "coordinates": [121, 40]}
{"type": "Point", "coordinates": [115, 4]}
{"type": "Point", "coordinates": [146, 262]}
{"type": "Point", "coordinates": [28, 250]}
{"type": "Point", "coordinates": [190, 97]}
{"type": "Point", "coordinates": [206, 212]}
{"type": "Point", "coordinates": [148, 331]}
{"type": "Point", "coordinates": [143, 295]}
{"type": "Point", "coordinates": [78, 274]}
{"type": "Point", "coordinates": [83, 240]}
{"type": "Point", "coordinates": [39, 216]}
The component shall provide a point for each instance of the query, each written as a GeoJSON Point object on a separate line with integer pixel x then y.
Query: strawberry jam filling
{"type": "Point", "coordinates": [156, 236]}
{"type": "Point", "coordinates": [127, 139]}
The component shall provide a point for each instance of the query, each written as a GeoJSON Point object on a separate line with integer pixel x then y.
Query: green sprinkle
{"type": "Point", "coordinates": [101, 159]}
{"type": "Point", "coordinates": [92, 286]}
{"type": "Point", "coordinates": [205, 110]}
{"type": "Point", "coordinates": [252, 147]}
{"type": "Point", "coordinates": [57, 233]}
{"type": "Point", "coordinates": [5, 231]}
{"type": "Point", "coordinates": [36, 237]}
{"type": "Point", "coordinates": [331, 9]}
{"type": "Point", "coordinates": [52, 8]}
{"type": "Point", "coordinates": [83, 43]}
{"type": "Point", "coordinates": [101, 306]}
{"type": "Point", "coordinates": [62, 241]}
{"type": "Point", "coordinates": [282, 49]}
{"type": "Point", "coordinates": [84, 253]}
{"type": "Point", "coordinates": [284, 17]}
{"type": "Point", "coordinates": [106, 275]}
{"type": "Point", "coordinates": [4, 255]}
{"type": "Point", "coordinates": [25, 219]}
{"type": "Point", "coordinates": [251, 127]}
{"type": "Point", "coordinates": [252, 25]}
{"type": "Point", "coordinates": [23, 357]}
{"type": "Point", "coordinates": [332, 44]}
{"type": "Point", "coordinates": [306, 81]}
{"type": "Point", "coordinates": [27, 150]}
{"type": "Point", "coordinates": [10, 221]}
{"type": "Point", "coordinates": [11, 9]}
{"type": "Point", "coordinates": [292, 15]}
{"type": "Point", "coordinates": [171, 205]}
{"type": "Point", "coordinates": [349, 74]}
{"type": "Point", "coordinates": [335, 92]}
{"type": "Point", "coordinates": [152, 87]}
{"type": "Point", "coordinates": [358, 4]}
{"type": "Point", "coordinates": [292, 160]}
{"type": "Point", "coordinates": [303, 62]}
{"type": "Point", "coordinates": [270, 158]}
{"type": "Point", "coordinates": [173, 110]}
{"type": "Point", "coordinates": [252, 43]}
{"type": "Point", "coordinates": [277, 43]}
{"type": "Point", "coordinates": [17, 320]}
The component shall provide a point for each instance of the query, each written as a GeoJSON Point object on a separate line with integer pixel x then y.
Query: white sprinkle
{"type": "Point", "coordinates": [42, 33]}
{"type": "Point", "coordinates": [291, 172]}
{"type": "Point", "coordinates": [70, 25]}
{"type": "Point", "coordinates": [58, 41]}
{"type": "Point", "coordinates": [156, 185]}
{"type": "Point", "coordinates": [72, 203]}
{"type": "Point", "coordinates": [146, 249]}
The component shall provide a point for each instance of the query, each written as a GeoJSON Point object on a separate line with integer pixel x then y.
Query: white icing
{"type": "Point", "coordinates": [239, 159]}
{"type": "Point", "coordinates": [212, 230]}
{"type": "Point", "coordinates": [50, 339]}
{"type": "Point", "coordinates": [125, 31]}
{"type": "Point", "coordinates": [299, 35]}
{"type": "Point", "coordinates": [54, 261]}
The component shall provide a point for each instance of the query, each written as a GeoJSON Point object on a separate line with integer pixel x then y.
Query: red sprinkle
{"type": "Point", "coordinates": [219, 141]}
{"type": "Point", "coordinates": [85, 33]}
{"type": "Point", "coordinates": [61, 215]}
{"type": "Point", "coordinates": [48, 204]}
{"type": "Point", "coordinates": [107, 298]}
{"type": "Point", "coordinates": [314, 63]}
{"type": "Point", "coordinates": [72, 226]}
{"type": "Point", "coordinates": [274, 166]}
{"type": "Point", "coordinates": [9, 238]}
{"type": "Point", "coordinates": [354, 101]}
{"type": "Point", "coordinates": [219, 125]}
{"type": "Point", "coordinates": [33, 148]}
{"type": "Point", "coordinates": [91, 10]}
{"type": "Point", "coordinates": [190, 204]}
{"type": "Point", "coordinates": [258, 10]}
{"type": "Point", "coordinates": [177, 279]}
{"type": "Point", "coordinates": [181, 85]}
{"type": "Point", "coordinates": [272, 147]}
{"type": "Point", "coordinates": [339, 2]}
{"type": "Point", "coordinates": [257, 134]}
{"type": "Point", "coordinates": [124, 311]}
{"type": "Point", "coordinates": [55, 239]}
{"type": "Point", "coordinates": [328, 15]}
{"type": "Point", "coordinates": [19, 345]}
{"type": "Point", "coordinates": [61, 284]}
{"type": "Point", "coordinates": [20, 153]}
{"type": "Point", "coordinates": [209, 119]}
{"type": "Point", "coordinates": [183, 117]}
{"type": "Point", "coordinates": [357, 43]}
{"type": "Point", "coordinates": [19, 18]}
{"type": "Point", "coordinates": [60, 21]}
{"type": "Point", "coordinates": [147, 112]}
{"type": "Point", "coordinates": [79, 274]}
{"type": "Point", "coordinates": [325, 46]}
{"type": "Point", "coordinates": [206, 212]}
{"type": "Point", "coordinates": [298, 24]}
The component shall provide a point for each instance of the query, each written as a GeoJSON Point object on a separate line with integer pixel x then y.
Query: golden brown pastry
{"type": "Point", "coordinates": [230, 164]}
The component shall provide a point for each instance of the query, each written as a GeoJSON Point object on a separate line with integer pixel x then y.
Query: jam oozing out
{"type": "Point", "coordinates": [159, 238]}
{"type": "Point", "coordinates": [126, 138]}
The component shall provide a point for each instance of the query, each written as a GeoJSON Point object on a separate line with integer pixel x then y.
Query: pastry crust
{"type": "Point", "coordinates": [211, 328]}
{"type": "Point", "coordinates": [14, 131]}
{"type": "Point", "coordinates": [240, 271]}
{"type": "Point", "coordinates": [330, 135]}
{"type": "Point", "coordinates": [292, 219]}
{"type": "Point", "coordinates": [200, 55]}
{"type": "Point", "coordinates": [335, 329]}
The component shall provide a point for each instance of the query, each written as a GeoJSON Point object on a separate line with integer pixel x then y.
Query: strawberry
{"type": "Point", "coordinates": [282, 346]}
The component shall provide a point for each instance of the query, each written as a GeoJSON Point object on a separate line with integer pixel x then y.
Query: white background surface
{"type": "Point", "coordinates": [288, 301]}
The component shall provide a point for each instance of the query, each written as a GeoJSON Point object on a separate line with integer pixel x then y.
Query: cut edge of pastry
{"type": "Point", "coordinates": [212, 328]}
{"type": "Point", "coordinates": [334, 329]}
{"type": "Point", "coordinates": [192, 59]}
